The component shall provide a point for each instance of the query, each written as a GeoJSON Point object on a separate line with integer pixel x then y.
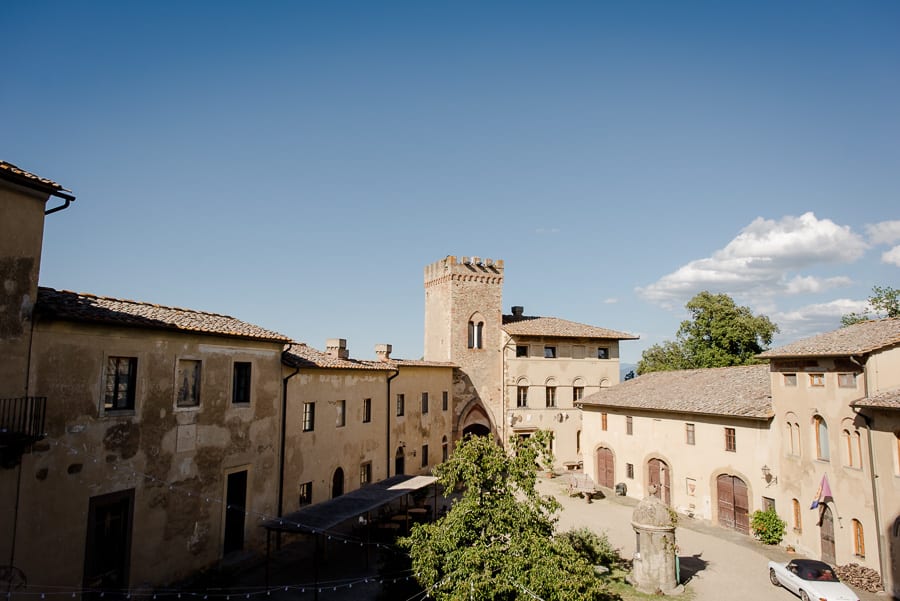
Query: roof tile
{"type": "Point", "coordinates": [889, 399]}
{"type": "Point", "coordinates": [858, 339]}
{"type": "Point", "coordinates": [527, 325]}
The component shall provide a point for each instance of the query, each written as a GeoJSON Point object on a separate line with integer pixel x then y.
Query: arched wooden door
{"type": "Point", "coordinates": [659, 475]}
{"type": "Point", "coordinates": [606, 468]}
{"type": "Point", "coordinates": [826, 533]}
{"type": "Point", "coordinates": [734, 503]}
{"type": "Point", "coordinates": [337, 483]}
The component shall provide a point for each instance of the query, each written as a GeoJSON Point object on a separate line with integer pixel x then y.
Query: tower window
{"type": "Point", "coordinates": [476, 334]}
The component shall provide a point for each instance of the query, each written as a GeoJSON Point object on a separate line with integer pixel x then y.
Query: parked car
{"type": "Point", "coordinates": [810, 579]}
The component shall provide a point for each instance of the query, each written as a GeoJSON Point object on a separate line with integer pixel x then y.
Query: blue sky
{"type": "Point", "coordinates": [296, 165]}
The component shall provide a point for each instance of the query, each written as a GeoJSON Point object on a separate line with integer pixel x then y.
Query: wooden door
{"type": "Point", "coordinates": [733, 502]}
{"type": "Point", "coordinates": [826, 533]}
{"type": "Point", "coordinates": [606, 472]}
{"type": "Point", "coordinates": [108, 549]}
{"type": "Point", "coordinates": [659, 475]}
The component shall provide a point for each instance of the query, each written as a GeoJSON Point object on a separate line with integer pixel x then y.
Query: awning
{"type": "Point", "coordinates": [326, 515]}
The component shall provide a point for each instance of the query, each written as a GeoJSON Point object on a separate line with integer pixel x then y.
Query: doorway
{"type": "Point", "coordinates": [606, 472]}
{"type": "Point", "coordinates": [660, 476]}
{"type": "Point", "coordinates": [826, 533]}
{"type": "Point", "coordinates": [734, 503]}
{"type": "Point", "coordinates": [399, 462]}
{"type": "Point", "coordinates": [235, 504]}
{"type": "Point", "coordinates": [107, 551]}
{"type": "Point", "coordinates": [337, 483]}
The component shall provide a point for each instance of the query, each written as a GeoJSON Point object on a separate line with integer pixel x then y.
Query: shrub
{"type": "Point", "coordinates": [767, 526]}
{"type": "Point", "coordinates": [593, 547]}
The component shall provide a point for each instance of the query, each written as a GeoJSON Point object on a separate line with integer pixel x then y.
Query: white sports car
{"type": "Point", "coordinates": [812, 580]}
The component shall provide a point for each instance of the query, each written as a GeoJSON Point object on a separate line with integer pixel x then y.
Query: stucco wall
{"type": "Point", "coordinates": [175, 459]}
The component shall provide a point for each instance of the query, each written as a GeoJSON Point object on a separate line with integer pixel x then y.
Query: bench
{"type": "Point", "coordinates": [583, 485]}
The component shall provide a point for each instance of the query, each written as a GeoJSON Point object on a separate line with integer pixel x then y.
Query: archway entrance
{"type": "Point", "coordinates": [337, 483]}
{"type": "Point", "coordinates": [606, 468]}
{"type": "Point", "coordinates": [826, 533]}
{"type": "Point", "coordinates": [659, 475]}
{"type": "Point", "coordinates": [477, 430]}
{"type": "Point", "coordinates": [734, 503]}
{"type": "Point", "coordinates": [399, 462]}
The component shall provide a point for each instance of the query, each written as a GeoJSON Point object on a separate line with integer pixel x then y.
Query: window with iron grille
{"type": "Point", "coordinates": [309, 416]}
{"type": "Point", "coordinates": [629, 471]}
{"type": "Point", "coordinates": [445, 400]}
{"type": "Point", "coordinates": [401, 404]}
{"type": "Point", "coordinates": [689, 433]}
{"type": "Point", "coordinates": [629, 425]}
{"type": "Point", "coordinates": [365, 473]}
{"type": "Point", "coordinates": [121, 378]}
{"type": "Point", "coordinates": [305, 493]}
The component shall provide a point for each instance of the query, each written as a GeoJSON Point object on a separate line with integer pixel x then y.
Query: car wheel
{"type": "Point", "coordinates": [804, 596]}
{"type": "Point", "coordinates": [773, 578]}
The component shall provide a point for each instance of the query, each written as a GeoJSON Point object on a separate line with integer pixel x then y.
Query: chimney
{"type": "Point", "coordinates": [383, 352]}
{"type": "Point", "coordinates": [518, 311]}
{"type": "Point", "coordinates": [337, 347]}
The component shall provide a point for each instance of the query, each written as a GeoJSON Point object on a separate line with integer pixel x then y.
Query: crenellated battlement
{"type": "Point", "coordinates": [452, 267]}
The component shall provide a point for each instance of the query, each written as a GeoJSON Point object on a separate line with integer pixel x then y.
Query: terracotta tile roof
{"type": "Point", "coordinates": [858, 339]}
{"type": "Point", "coordinates": [11, 172]}
{"type": "Point", "coordinates": [889, 399]}
{"type": "Point", "coordinates": [527, 325]}
{"type": "Point", "coordinates": [74, 306]}
{"type": "Point", "coordinates": [301, 355]}
{"type": "Point", "coordinates": [742, 391]}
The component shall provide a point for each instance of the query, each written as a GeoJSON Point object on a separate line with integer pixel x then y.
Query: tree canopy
{"type": "Point", "coordinates": [718, 334]}
{"type": "Point", "coordinates": [884, 302]}
{"type": "Point", "coordinates": [498, 540]}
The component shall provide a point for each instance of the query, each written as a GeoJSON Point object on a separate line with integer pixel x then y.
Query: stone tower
{"type": "Point", "coordinates": [463, 317]}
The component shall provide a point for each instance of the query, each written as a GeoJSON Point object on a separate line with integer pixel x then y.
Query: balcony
{"type": "Point", "coordinates": [21, 424]}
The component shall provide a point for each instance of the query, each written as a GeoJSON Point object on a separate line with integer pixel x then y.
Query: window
{"type": "Point", "coordinates": [367, 410]}
{"type": "Point", "coordinates": [578, 442]}
{"type": "Point", "coordinates": [401, 405]}
{"type": "Point", "coordinates": [521, 350]}
{"type": "Point", "coordinates": [629, 425]}
{"type": "Point", "coordinates": [549, 352]}
{"type": "Point", "coordinates": [121, 378]}
{"type": "Point", "coordinates": [305, 493]}
{"type": "Point", "coordinates": [577, 393]}
{"type": "Point", "coordinates": [859, 541]}
{"type": "Point", "coordinates": [847, 380]}
{"type": "Point", "coordinates": [476, 333]}
{"type": "Point", "coordinates": [817, 380]}
{"type": "Point", "coordinates": [240, 382]}
{"type": "Point", "coordinates": [790, 379]}
{"type": "Point", "coordinates": [730, 440]}
{"type": "Point", "coordinates": [340, 419]}
{"type": "Point", "coordinates": [551, 396]}
{"type": "Point", "coordinates": [852, 448]}
{"type": "Point", "coordinates": [424, 403]}
{"type": "Point", "coordinates": [445, 449]}
{"type": "Point", "coordinates": [629, 471]}
{"type": "Point", "coordinates": [689, 433]}
{"type": "Point", "coordinates": [798, 525]}
{"type": "Point", "coordinates": [424, 455]}
{"type": "Point", "coordinates": [309, 417]}
{"type": "Point", "coordinates": [603, 421]}
{"type": "Point", "coordinates": [445, 400]}
{"type": "Point", "coordinates": [822, 452]}
{"type": "Point", "coordinates": [768, 503]}
{"type": "Point", "coordinates": [602, 352]}
{"type": "Point", "coordinates": [521, 396]}
{"type": "Point", "coordinates": [365, 473]}
{"type": "Point", "coordinates": [188, 383]}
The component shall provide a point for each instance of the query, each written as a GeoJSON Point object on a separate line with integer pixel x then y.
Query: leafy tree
{"type": "Point", "coordinates": [884, 302]}
{"type": "Point", "coordinates": [719, 334]}
{"type": "Point", "coordinates": [498, 540]}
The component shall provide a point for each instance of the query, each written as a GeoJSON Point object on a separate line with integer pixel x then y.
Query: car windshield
{"type": "Point", "coordinates": [823, 574]}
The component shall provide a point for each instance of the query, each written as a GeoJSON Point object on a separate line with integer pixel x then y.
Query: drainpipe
{"type": "Point", "coordinates": [284, 390]}
{"type": "Point", "coordinates": [882, 560]}
{"type": "Point", "coordinates": [387, 427]}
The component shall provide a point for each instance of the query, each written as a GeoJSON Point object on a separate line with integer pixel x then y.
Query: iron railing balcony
{"type": "Point", "coordinates": [22, 420]}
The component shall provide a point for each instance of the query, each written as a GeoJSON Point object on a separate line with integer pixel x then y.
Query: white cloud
{"type": "Point", "coordinates": [814, 319]}
{"type": "Point", "coordinates": [891, 256]}
{"type": "Point", "coordinates": [547, 230]}
{"type": "Point", "coordinates": [884, 232]}
{"type": "Point", "coordinates": [757, 263]}
{"type": "Point", "coordinates": [610, 301]}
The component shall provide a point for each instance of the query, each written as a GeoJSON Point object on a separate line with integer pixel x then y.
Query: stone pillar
{"type": "Point", "coordinates": [653, 568]}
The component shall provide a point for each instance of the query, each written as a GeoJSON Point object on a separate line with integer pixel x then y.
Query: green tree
{"type": "Point", "coordinates": [498, 541]}
{"type": "Point", "coordinates": [884, 302]}
{"type": "Point", "coordinates": [718, 334]}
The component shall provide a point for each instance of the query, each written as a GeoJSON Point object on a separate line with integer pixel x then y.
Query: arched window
{"type": "Point", "coordinates": [476, 333]}
{"type": "Point", "coordinates": [822, 452]}
{"type": "Point", "coordinates": [522, 393]}
{"type": "Point", "coordinates": [795, 506]}
{"type": "Point", "coordinates": [859, 540]}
